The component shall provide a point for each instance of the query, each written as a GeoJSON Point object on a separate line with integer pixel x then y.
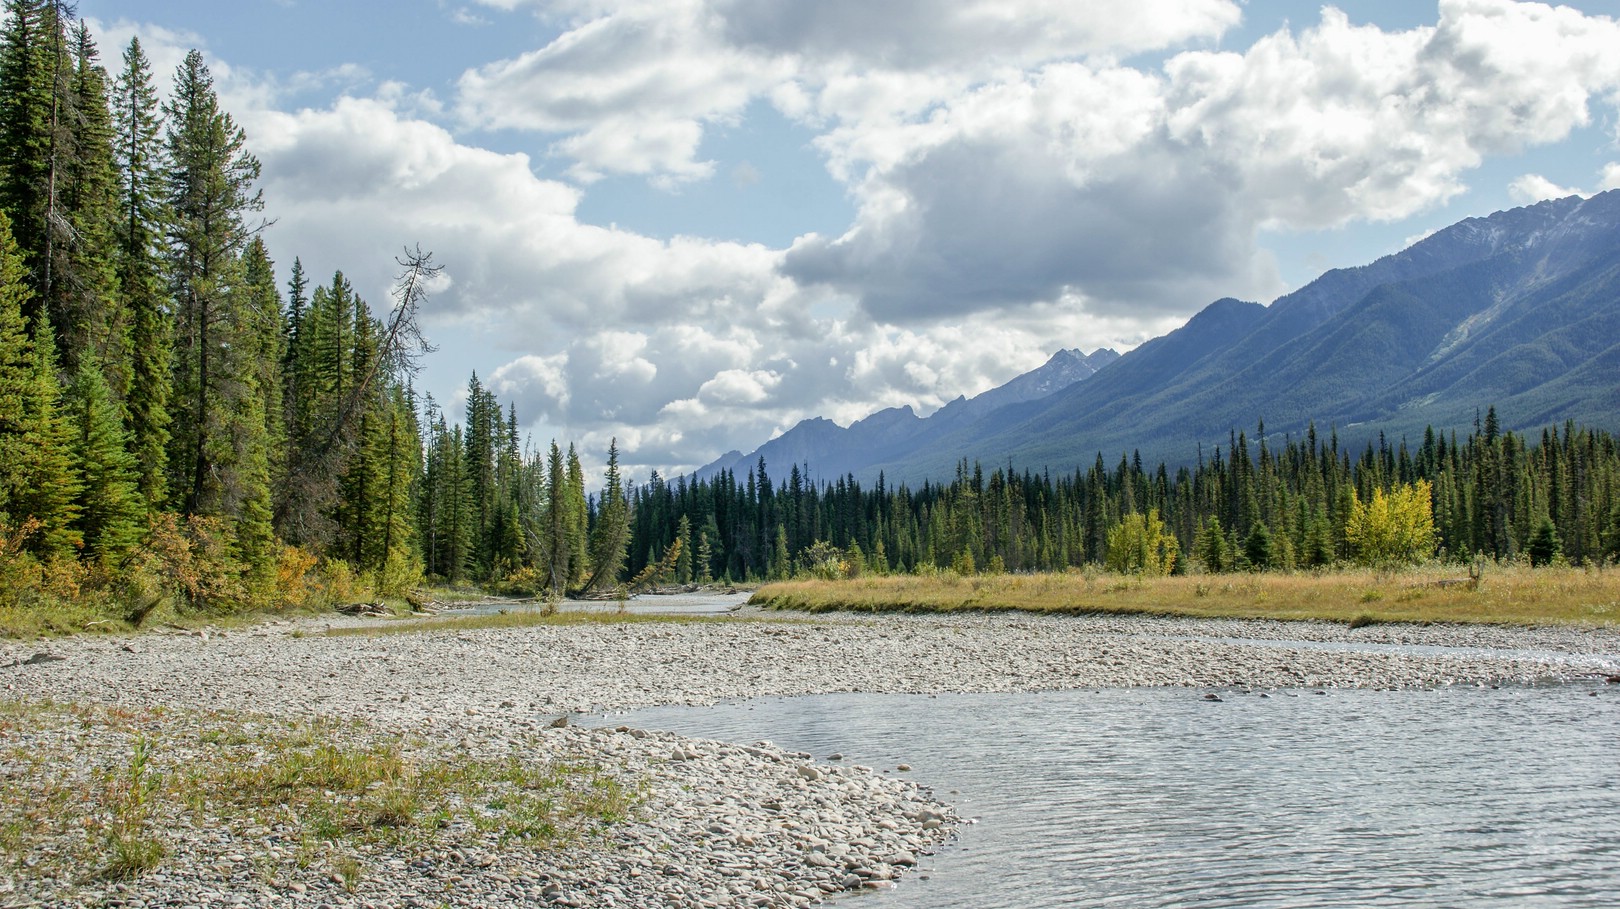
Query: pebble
{"type": "Point", "coordinates": [721, 825]}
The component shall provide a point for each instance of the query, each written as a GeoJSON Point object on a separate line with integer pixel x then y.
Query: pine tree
{"type": "Point", "coordinates": [393, 448]}
{"type": "Point", "coordinates": [320, 358]}
{"type": "Point", "coordinates": [1259, 547]}
{"type": "Point", "coordinates": [31, 50]}
{"type": "Point", "coordinates": [210, 189]}
{"type": "Point", "coordinates": [219, 449]}
{"type": "Point", "coordinates": [450, 533]}
{"type": "Point", "coordinates": [37, 479]}
{"type": "Point", "coordinates": [1544, 546]}
{"type": "Point", "coordinates": [1210, 546]}
{"type": "Point", "coordinates": [138, 262]}
{"type": "Point", "coordinates": [354, 509]}
{"type": "Point", "coordinates": [578, 517]}
{"type": "Point", "coordinates": [110, 505]}
{"type": "Point", "coordinates": [610, 538]}
{"type": "Point", "coordinates": [83, 241]}
{"type": "Point", "coordinates": [266, 336]}
{"type": "Point", "coordinates": [683, 563]}
{"type": "Point", "coordinates": [292, 390]}
{"type": "Point", "coordinates": [558, 545]}
{"type": "Point", "coordinates": [705, 558]}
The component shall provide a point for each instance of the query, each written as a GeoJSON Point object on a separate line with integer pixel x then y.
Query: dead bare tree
{"type": "Point", "coordinates": [317, 462]}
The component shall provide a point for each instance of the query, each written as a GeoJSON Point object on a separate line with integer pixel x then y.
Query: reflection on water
{"type": "Point", "coordinates": [1157, 797]}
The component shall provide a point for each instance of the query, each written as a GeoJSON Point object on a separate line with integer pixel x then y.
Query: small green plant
{"type": "Point", "coordinates": [131, 850]}
{"type": "Point", "coordinates": [348, 870]}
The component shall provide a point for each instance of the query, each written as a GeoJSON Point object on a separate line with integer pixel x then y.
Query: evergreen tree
{"type": "Point", "coordinates": [37, 480]}
{"type": "Point", "coordinates": [1544, 546]}
{"type": "Point", "coordinates": [577, 515]}
{"type": "Point", "coordinates": [320, 358]}
{"type": "Point", "coordinates": [395, 446]}
{"type": "Point", "coordinates": [32, 48]}
{"type": "Point", "coordinates": [683, 562]}
{"type": "Point", "coordinates": [1259, 547]}
{"type": "Point", "coordinates": [86, 201]}
{"type": "Point", "coordinates": [138, 261]}
{"type": "Point", "coordinates": [210, 191]}
{"type": "Point", "coordinates": [450, 531]}
{"type": "Point", "coordinates": [292, 391]}
{"type": "Point", "coordinates": [705, 558]}
{"type": "Point", "coordinates": [558, 544]}
{"type": "Point", "coordinates": [262, 310]}
{"type": "Point", "coordinates": [610, 537]}
{"type": "Point", "coordinates": [110, 505]}
{"type": "Point", "coordinates": [1210, 546]}
{"type": "Point", "coordinates": [355, 510]}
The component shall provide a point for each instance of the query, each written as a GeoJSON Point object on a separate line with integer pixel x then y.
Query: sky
{"type": "Point", "coordinates": [688, 224]}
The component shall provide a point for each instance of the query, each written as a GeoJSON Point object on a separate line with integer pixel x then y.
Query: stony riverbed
{"type": "Point", "coordinates": [739, 824]}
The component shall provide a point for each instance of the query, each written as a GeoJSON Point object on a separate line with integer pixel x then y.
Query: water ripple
{"type": "Point", "coordinates": [1158, 798]}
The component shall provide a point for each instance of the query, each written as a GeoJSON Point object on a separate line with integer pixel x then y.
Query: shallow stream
{"type": "Point", "coordinates": [1160, 798]}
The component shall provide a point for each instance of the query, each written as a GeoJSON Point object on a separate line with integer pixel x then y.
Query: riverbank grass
{"type": "Point", "coordinates": [1509, 595]}
{"type": "Point", "coordinates": [98, 794]}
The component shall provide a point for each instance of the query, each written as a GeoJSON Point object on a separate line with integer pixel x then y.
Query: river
{"type": "Point", "coordinates": [1156, 797]}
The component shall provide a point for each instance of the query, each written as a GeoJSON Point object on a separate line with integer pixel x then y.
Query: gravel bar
{"type": "Point", "coordinates": [721, 824]}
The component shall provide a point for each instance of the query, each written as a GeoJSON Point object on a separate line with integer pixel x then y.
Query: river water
{"type": "Point", "coordinates": [1160, 798]}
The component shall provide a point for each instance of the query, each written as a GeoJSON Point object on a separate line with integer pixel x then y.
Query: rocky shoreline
{"type": "Point", "coordinates": [718, 824]}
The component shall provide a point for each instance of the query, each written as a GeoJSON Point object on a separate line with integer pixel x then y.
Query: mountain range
{"type": "Point", "coordinates": [1519, 310]}
{"type": "Point", "coordinates": [829, 451]}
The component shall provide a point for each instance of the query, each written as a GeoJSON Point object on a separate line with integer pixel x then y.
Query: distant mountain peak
{"type": "Point", "coordinates": [830, 450]}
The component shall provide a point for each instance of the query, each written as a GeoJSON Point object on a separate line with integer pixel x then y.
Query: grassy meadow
{"type": "Point", "coordinates": [1510, 595]}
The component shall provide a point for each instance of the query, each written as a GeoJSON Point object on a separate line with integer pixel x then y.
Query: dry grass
{"type": "Point", "coordinates": [1509, 595]}
{"type": "Point", "coordinates": [96, 793]}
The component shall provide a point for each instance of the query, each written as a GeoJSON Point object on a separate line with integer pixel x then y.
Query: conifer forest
{"type": "Point", "coordinates": [177, 426]}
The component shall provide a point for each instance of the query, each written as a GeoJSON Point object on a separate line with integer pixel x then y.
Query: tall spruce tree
{"type": "Point", "coordinates": [142, 297]}
{"type": "Point", "coordinates": [90, 323]}
{"type": "Point", "coordinates": [218, 450]}
{"type": "Point", "coordinates": [37, 480]}
{"type": "Point", "coordinates": [399, 447]}
{"type": "Point", "coordinates": [31, 49]}
{"type": "Point", "coordinates": [558, 538]}
{"type": "Point", "coordinates": [610, 537]}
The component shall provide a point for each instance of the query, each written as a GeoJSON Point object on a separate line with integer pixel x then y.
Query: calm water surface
{"type": "Point", "coordinates": [1156, 797]}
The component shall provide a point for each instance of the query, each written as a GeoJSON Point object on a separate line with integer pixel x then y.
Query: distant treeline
{"type": "Point", "coordinates": [1254, 505]}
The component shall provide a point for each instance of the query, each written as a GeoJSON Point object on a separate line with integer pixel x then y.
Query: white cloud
{"type": "Point", "coordinates": [1610, 178]}
{"type": "Point", "coordinates": [1531, 188]}
{"type": "Point", "coordinates": [631, 92]}
{"type": "Point", "coordinates": [1143, 192]}
{"type": "Point", "coordinates": [532, 373]}
{"type": "Point", "coordinates": [913, 35]}
{"type": "Point", "coordinates": [632, 85]}
{"type": "Point", "coordinates": [739, 387]}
